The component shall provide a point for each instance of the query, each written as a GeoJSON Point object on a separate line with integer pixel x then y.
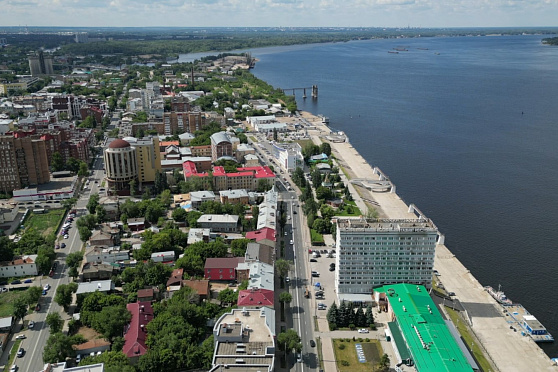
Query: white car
{"type": "Point", "coordinates": [363, 330]}
{"type": "Point", "coordinates": [46, 287]}
{"type": "Point", "coordinates": [20, 337]}
{"type": "Point", "coordinates": [66, 236]}
{"type": "Point", "coordinates": [14, 368]}
{"type": "Point", "coordinates": [31, 324]}
{"type": "Point", "coordinates": [292, 242]}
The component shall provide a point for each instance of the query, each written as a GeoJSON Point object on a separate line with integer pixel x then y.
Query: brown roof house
{"type": "Point", "coordinates": [200, 286]}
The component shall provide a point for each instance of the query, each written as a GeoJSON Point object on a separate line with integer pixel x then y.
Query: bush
{"type": "Point", "coordinates": [367, 339]}
{"type": "Point", "coordinates": [352, 327]}
{"type": "Point", "coordinates": [344, 363]}
{"type": "Point", "coordinates": [373, 326]}
{"type": "Point", "coordinates": [341, 340]}
{"type": "Point", "coordinates": [348, 340]}
{"type": "Point", "coordinates": [360, 339]}
{"type": "Point", "coordinates": [354, 338]}
{"type": "Point", "coordinates": [332, 326]}
{"type": "Point", "coordinates": [341, 346]}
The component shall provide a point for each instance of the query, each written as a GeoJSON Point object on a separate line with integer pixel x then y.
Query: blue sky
{"type": "Point", "coordinates": [296, 13]}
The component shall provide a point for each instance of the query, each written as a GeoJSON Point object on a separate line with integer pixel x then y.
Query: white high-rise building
{"type": "Point", "coordinates": [373, 253]}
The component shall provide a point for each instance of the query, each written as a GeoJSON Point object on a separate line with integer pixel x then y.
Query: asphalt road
{"type": "Point", "coordinates": [37, 337]}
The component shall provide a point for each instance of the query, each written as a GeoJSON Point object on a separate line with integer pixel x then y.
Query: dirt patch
{"type": "Point", "coordinates": [89, 333]}
{"type": "Point", "coordinates": [218, 287]}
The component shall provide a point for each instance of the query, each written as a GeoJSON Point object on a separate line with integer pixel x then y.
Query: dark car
{"type": "Point", "coordinates": [37, 308]}
{"type": "Point", "coordinates": [63, 245]}
{"type": "Point", "coordinates": [313, 260]}
{"type": "Point", "coordinates": [16, 281]}
{"type": "Point", "coordinates": [312, 343]}
{"type": "Point", "coordinates": [28, 281]}
{"type": "Point", "coordinates": [332, 268]}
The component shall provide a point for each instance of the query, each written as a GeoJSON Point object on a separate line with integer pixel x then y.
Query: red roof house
{"type": "Point", "coordinates": [136, 333]}
{"type": "Point", "coordinates": [255, 298]}
{"type": "Point", "coordinates": [222, 268]}
{"type": "Point", "coordinates": [264, 235]}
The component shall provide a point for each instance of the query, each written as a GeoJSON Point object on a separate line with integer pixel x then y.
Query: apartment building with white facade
{"type": "Point", "coordinates": [372, 253]}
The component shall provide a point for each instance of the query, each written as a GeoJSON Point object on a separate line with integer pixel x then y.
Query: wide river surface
{"type": "Point", "coordinates": [467, 128]}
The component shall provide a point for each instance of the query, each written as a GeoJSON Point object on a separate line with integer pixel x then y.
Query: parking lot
{"type": "Point", "coordinates": [326, 280]}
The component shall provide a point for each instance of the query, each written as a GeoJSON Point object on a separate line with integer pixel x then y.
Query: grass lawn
{"type": "Point", "coordinates": [355, 211]}
{"type": "Point", "coordinates": [45, 223]}
{"type": "Point", "coordinates": [303, 143]}
{"type": "Point", "coordinates": [316, 237]}
{"type": "Point", "coordinates": [372, 352]}
{"type": "Point", "coordinates": [468, 339]}
{"type": "Point", "coordinates": [6, 301]}
{"type": "Point", "coordinates": [13, 353]}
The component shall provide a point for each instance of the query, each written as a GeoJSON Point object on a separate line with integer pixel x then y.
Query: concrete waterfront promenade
{"type": "Point", "coordinates": [508, 350]}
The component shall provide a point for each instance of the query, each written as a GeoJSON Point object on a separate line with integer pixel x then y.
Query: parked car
{"type": "Point", "coordinates": [312, 343]}
{"type": "Point", "coordinates": [21, 337]}
{"type": "Point", "coordinates": [46, 287]}
{"type": "Point", "coordinates": [315, 274]}
{"type": "Point", "coordinates": [31, 323]}
{"type": "Point", "coordinates": [451, 293]}
{"type": "Point", "coordinates": [20, 352]}
{"type": "Point", "coordinates": [332, 268]}
{"type": "Point", "coordinates": [313, 260]}
{"type": "Point", "coordinates": [17, 281]}
{"type": "Point", "coordinates": [44, 292]}
{"type": "Point", "coordinates": [292, 242]}
{"type": "Point", "coordinates": [363, 330]}
{"type": "Point", "coordinates": [299, 357]}
{"type": "Point", "coordinates": [66, 236]}
{"type": "Point", "coordinates": [14, 368]}
{"type": "Point", "coordinates": [63, 245]}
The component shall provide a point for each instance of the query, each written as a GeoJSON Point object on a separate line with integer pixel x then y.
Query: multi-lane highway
{"type": "Point", "coordinates": [36, 339]}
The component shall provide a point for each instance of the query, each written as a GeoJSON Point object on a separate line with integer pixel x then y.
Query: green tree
{"type": "Point", "coordinates": [92, 203]}
{"type": "Point", "coordinates": [227, 297]}
{"type": "Point", "coordinates": [45, 257]}
{"type": "Point", "coordinates": [73, 272]}
{"type": "Point", "coordinates": [63, 296]}
{"type": "Point", "coordinates": [55, 322]}
{"type": "Point", "coordinates": [58, 348]}
{"type": "Point", "coordinates": [285, 298]}
{"type": "Point", "coordinates": [57, 163]}
{"type": "Point", "coordinates": [282, 267]}
{"type": "Point", "coordinates": [323, 193]}
{"type": "Point", "coordinates": [73, 259]}
{"type": "Point", "coordinates": [20, 308]}
{"type": "Point", "coordinates": [114, 361]}
{"type": "Point", "coordinates": [110, 321]}
{"type": "Point", "coordinates": [289, 341]}
{"type": "Point", "coordinates": [133, 187]}
{"type": "Point", "coordinates": [83, 169]}
{"type": "Point", "coordinates": [89, 221]}
{"type": "Point", "coordinates": [179, 214]}
{"type": "Point", "coordinates": [238, 247]}
{"type": "Point", "coordinates": [32, 295]}
{"type": "Point", "coordinates": [325, 148]}
{"type": "Point", "coordinates": [101, 213]}
{"type": "Point", "coordinates": [84, 233]}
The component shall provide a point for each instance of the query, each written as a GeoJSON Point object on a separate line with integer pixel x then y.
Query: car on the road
{"type": "Point", "coordinates": [291, 242]}
{"type": "Point", "coordinates": [299, 357]}
{"type": "Point", "coordinates": [28, 281]}
{"type": "Point", "coordinates": [315, 274]}
{"type": "Point", "coordinates": [16, 281]}
{"type": "Point", "coordinates": [31, 324]}
{"type": "Point", "coordinates": [286, 233]}
{"type": "Point", "coordinates": [14, 368]}
{"type": "Point", "coordinates": [451, 293]}
{"type": "Point", "coordinates": [294, 212]}
{"type": "Point", "coordinates": [44, 292]}
{"type": "Point", "coordinates": [313, 260]}
{"type": "Point", "coordinates": [46, 287]}
{"type": "Point", "coordinates": [363, 330]}
{"type": "Point", "coordinates": [66, 236]}
{"type": "Point", "coordinates": [287, 279]}
{"type": "Point", "coordinates": [436, 272]}
{"type": "Point", "coordinates": [322, 306]}
{"type": "Point", "coordinates": [20, 352]}
{"type": "Point", "coordinates": [20, 337]}
{"type": "Point", "coordinates": [312, 343]}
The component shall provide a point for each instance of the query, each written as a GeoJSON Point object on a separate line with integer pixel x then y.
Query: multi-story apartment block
{"type": "Point", "coordinates": [148, 157]}
{"type": "Point", "coordinates": [373, 253]}
{"type": "Point", "coordinates": [183, 122]}
{"type": "Point", "coordinates": [41, 64]}
{"type": "Point", "coordinates": [180, 104]}
{"type": "Point", "coordinates": [23, 162]}
{"type": "Point", "coordinates": [246, 178]}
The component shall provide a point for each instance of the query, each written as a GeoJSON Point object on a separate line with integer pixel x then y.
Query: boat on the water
{"type": "Point", "coordinates": [391, 51]}
{"type": "Point", "coordinates": [498, 295]}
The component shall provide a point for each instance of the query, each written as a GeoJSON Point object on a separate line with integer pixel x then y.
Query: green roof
{"type": "Point", "coordinates": [432, 347]}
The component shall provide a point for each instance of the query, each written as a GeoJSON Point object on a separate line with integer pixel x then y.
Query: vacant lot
{"type": "Point", "coordinates": [6, 302]}
{"type": "Point", "coordinates": [45, 223]}
{"type": "Point", "coordinates": [372, 351]}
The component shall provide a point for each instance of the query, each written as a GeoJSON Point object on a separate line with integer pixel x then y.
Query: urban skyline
{"type": "Point", "coordinates": [279, 13]}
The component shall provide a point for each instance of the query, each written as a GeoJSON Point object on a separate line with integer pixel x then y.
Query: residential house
{"type": "Point", "coordinates": [234, 197]}
{"type": "Point", "coordinates": [220, 222]}
{"type": "Point", "coordinates": [198, 235]}
{"type": "Point", "coordinates": [263, 236]}
{"type": "Point", "coordinates": [167, 257]}
{"type": "Point", "coordinates": [97, 271]}
{"type": "Point", "coordinates": [95, 286]}
{"type": "Point", "coordinates": [135, 333]}
{"type": "Point", "coordinates": [136, 224]}
{"type": "Point", "coordinates": [255, 298]}
{"type": "Point", "coordinates": [200, 286]}
{"type": "Point", "coordinates": [222, 268]}
{"type": "Point", "coordinates": [146, 294]}
{"type": "Point", "coordinates": [19, 266]}
{"type": "Point", "coordinates": [256, 252]}
{"type": "Point", "coordinates": [93, 346]}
